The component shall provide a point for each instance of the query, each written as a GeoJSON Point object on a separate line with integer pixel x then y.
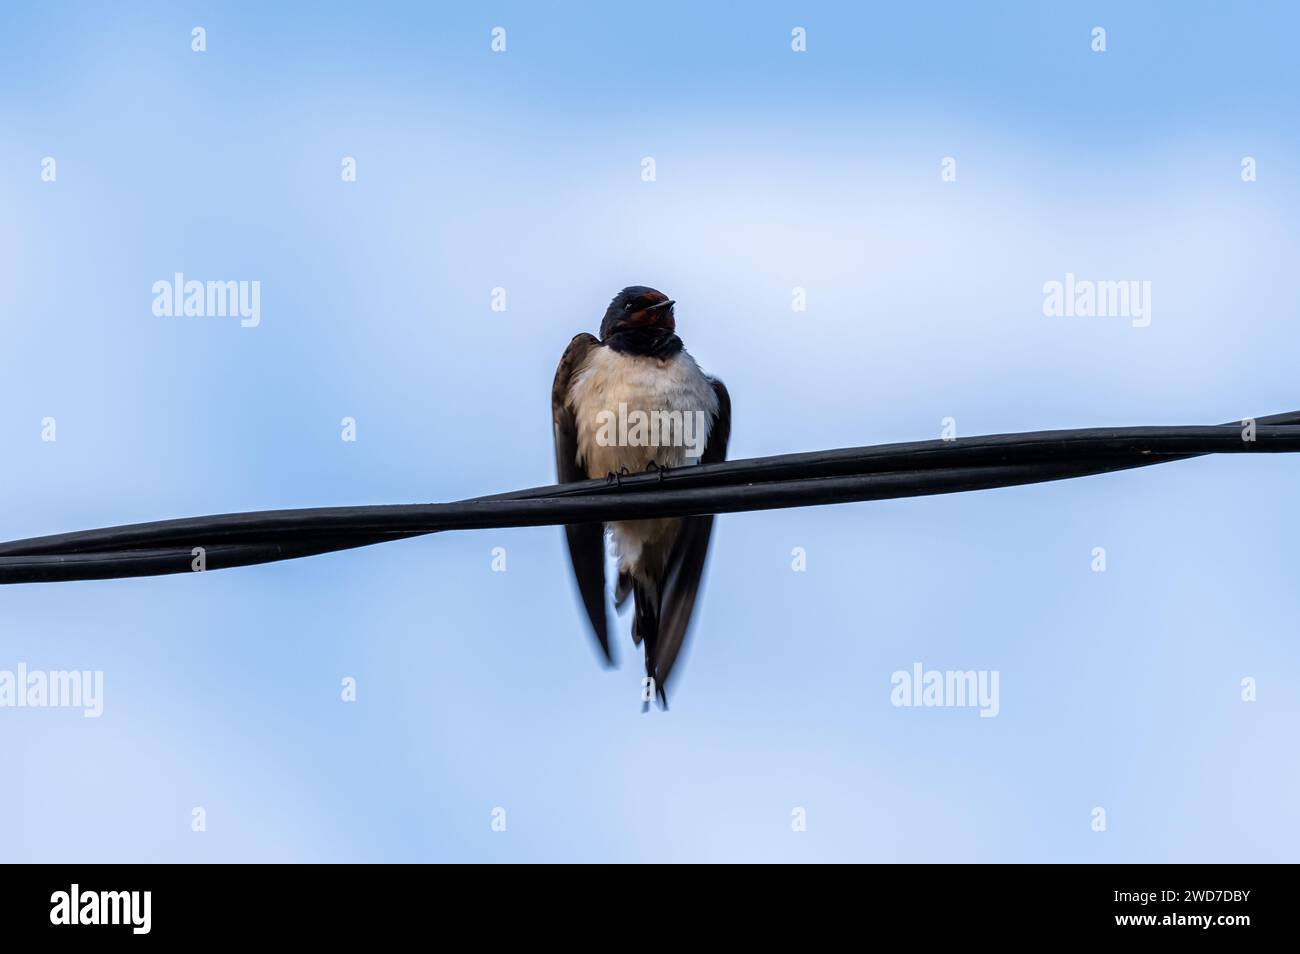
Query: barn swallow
{"type": "Point", "coordinates": [605, 391]}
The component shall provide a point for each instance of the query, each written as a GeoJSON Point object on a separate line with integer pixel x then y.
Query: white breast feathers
{"type": "Point", "coordinates": [631, 410]}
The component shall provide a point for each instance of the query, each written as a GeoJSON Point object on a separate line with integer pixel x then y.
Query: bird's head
{"type": "Point", "coordinates": [638, 308]}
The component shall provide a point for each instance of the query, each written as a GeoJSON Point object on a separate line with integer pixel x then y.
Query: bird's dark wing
{"type": "Point", "coordinates": [586, 540]}
{"type": "Point", "coordinates": [686, 561]}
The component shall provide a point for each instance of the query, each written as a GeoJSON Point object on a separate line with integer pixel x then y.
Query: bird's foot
{"type": "Point", "coordinates": [654, 467]}
{"type": "Point", "coordinates": [616, 478]}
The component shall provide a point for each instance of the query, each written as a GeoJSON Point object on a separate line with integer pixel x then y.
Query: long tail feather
{"type": "Point", "coordinates": [645, 629]}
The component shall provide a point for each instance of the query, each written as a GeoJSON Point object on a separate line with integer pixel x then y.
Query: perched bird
{"type": "Point", "coordinates": [605, 391]}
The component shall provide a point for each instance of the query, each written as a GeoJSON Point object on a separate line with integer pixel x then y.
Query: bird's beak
{"type": "Point", "coordinates": [662, 304]}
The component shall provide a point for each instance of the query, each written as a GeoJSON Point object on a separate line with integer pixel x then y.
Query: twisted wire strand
{"type": "Point", "coordinates": [880, 472]}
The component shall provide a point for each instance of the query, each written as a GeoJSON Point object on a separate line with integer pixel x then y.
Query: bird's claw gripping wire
{"type": "Point", "coordinates": [653, 467]}
{"type": "Point", "coordinates": [617, 478]}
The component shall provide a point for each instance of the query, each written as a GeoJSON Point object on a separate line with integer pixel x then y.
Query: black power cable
{"type": "Point", "coordinates": [880, 472]}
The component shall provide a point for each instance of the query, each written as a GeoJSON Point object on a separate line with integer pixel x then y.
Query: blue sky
{"type": "Point", "coordinates": [774, 170]}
